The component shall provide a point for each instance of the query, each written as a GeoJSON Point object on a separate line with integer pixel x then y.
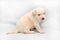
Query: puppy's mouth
{"type": "Point", "coordinates": [43, 18]}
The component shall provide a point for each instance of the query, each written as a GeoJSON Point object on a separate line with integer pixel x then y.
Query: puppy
{"type": "Point", "coordinates": [29, 21]}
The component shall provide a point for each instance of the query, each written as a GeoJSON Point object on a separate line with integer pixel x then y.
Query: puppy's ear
{"type": "Point", "coordinates": [34, 13]}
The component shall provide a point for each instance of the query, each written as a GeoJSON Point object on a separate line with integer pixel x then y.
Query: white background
{"type": "Point", "coordinates": [12, 10]}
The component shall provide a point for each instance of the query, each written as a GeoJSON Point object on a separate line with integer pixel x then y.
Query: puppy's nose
{"type": "Point", "coordinates": [42, 18]}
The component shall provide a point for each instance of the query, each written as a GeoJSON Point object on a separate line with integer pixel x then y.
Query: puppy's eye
{"type": "Point", "coordinates": [38, 14]}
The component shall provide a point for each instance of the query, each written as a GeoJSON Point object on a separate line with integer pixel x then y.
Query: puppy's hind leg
{"type": "Point", "coordinates": [27, 31]}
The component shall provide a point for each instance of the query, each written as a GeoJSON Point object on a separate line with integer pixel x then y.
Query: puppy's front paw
{"type": "Point", "coordinates": [42, 32]}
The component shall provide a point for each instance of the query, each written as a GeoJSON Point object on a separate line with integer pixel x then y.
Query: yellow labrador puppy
{"type": "Point", "coordinates": [29, 21]}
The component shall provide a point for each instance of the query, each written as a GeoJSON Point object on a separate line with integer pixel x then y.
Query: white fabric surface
{"type": "Point", "coordinates": [12, 10]}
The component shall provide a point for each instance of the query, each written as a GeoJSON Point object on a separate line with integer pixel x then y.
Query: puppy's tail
{"type": "Point", "coordinates": [13, 32]}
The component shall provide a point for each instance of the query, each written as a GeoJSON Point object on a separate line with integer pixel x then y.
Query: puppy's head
{"type": "Point", "coordinates": [39, 13]}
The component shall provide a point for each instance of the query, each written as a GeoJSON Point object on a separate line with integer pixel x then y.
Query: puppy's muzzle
{"type": "Point", "coordinates": [43, 18]}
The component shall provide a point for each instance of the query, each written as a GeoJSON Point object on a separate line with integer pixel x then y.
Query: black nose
{"type": "Point", "coordinates": [42, 18]}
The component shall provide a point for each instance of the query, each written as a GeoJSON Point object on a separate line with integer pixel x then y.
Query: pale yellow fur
{"type": "Point", "coordinates": [30, 21]}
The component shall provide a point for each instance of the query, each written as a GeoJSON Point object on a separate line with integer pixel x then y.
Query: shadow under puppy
{"type": "Point", "coordinates": [29, 21]}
